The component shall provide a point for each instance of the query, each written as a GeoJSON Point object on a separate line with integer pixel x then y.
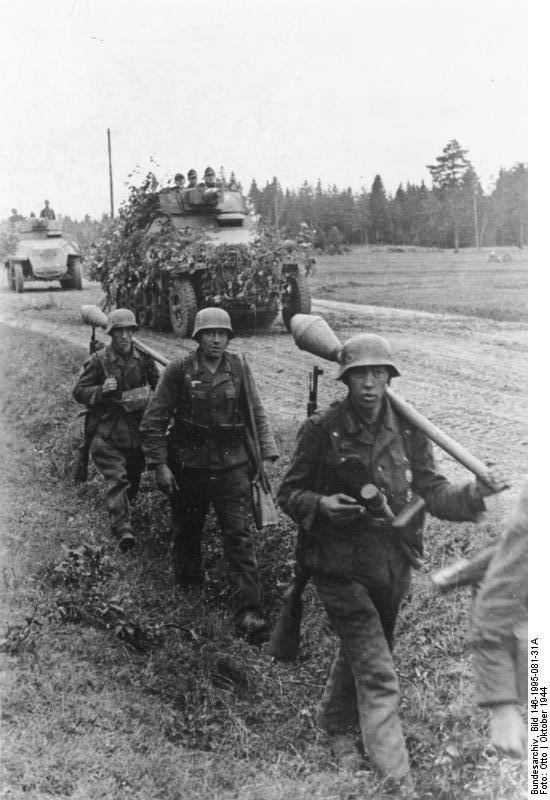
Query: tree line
{"type": "Point", "coordinates": [455, 212]}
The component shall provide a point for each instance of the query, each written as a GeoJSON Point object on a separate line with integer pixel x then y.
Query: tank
{"type": "Point", "coordinates": [174, 251]}
{"type": "Point", "coordinates": [42, 252]}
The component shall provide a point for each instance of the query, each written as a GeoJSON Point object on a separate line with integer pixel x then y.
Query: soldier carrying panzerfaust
{"type": "Point", "coordinates": [312, 334]}
{"type": "Point", "coordinates": [362, 476]}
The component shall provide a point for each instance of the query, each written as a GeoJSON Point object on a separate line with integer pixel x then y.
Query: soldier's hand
{"type": "Point", "coordinates": [495, 482]}
{"type": "Point", "coordinates": [165, 479]}
{"type": "Point", "coordinates": [109, 385]}
{"type": "Point", "coordinates": [340, 507]}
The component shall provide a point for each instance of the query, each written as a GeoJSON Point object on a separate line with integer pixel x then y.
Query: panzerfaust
{"type": "Point", "coordinates": [94, 316]}
{"type": "Point", "coordinates": [312, 334]}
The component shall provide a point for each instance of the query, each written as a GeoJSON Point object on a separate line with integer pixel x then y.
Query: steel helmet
{"type": "Point", "coordinates": [210, 319]}
{"type": "Point", "coordinates": [366, 350]}
{"type": "Point", "coordinates": [121, 318]}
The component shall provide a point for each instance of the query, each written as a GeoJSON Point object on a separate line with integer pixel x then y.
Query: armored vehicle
{"type": "Point", "coordinates": [43, 253]}
{"type": "Point", "coordinates": [180, 250]}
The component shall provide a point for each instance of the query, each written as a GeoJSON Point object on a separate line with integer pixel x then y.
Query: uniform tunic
{"type": "Point", "coordinates": [115, 447]}
{"type": "Point", "coordinates": [360, 573]}
{"type": "Point", "coordinates": [205, 447]}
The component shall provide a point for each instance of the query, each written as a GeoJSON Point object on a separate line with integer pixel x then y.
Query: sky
{"type": "Point", "coordinates": [301, 90]}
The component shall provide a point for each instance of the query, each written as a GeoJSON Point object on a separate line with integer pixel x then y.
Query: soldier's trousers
{"type": "Point", "coordinates": [121, 467]}
{"type": "Point", "coordinates": [229, 492]}
{"type": "Point", "coordinates": [362, 688]}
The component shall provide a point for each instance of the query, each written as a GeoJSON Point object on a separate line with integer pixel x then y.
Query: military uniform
{"type": "Point", "coordinates": [360, 573]}
{"type": "Point", "coordinates": [499, 629]}
{"type": "Point", "coordinates": [115, 447]}
{"type": "Point", "coordinates": [205, 448]}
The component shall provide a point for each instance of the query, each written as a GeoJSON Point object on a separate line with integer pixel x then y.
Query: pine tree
{"type": "Point", "coordinates": [448, 183]}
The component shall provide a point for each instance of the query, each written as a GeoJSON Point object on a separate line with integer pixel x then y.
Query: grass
{"type": "Point", "coordinates": [115, 687]}
{"type": "Point", "coordinates": [439, 281]}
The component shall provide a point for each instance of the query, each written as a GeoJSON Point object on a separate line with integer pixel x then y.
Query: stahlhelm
{"type": "Point", "coordinates": [211, 319]}
{"type": "Point", "coordinates": [366, 350]}
{"type": "Point", "coordinates": [121, 318]}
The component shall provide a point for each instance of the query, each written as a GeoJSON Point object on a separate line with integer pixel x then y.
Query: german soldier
{"type": "Point", "coordinates": [360, 571]}
{"type": "Point", "coordinates": [108, 387]}
{"type": "Point", "coordinates": [204, 459]}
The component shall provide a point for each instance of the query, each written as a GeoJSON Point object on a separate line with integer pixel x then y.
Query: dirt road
{"type": "Point", "coordinates": [469, 375]}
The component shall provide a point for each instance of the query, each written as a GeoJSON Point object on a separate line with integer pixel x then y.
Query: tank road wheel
{"type": "Point", "coordinates": [298, 299]}
{"type": "Point", "coordinates": [16, 279]}
{"type": "Point", "coordinates": [77, 275]}
{"type": "Point", "coordinates": [183, 307]}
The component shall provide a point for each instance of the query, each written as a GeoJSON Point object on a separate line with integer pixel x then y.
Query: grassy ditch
{"type": "Point", "coordinates": [115, 687]}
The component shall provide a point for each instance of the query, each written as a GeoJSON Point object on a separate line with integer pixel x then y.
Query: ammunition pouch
{"type": "Point", "coordinates": [134, 399]}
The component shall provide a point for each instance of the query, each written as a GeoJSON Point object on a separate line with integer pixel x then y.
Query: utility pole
{"type": "Point", "coordinates": [476, 223]}
{"type": "Point", "coordinates": [110, 173]}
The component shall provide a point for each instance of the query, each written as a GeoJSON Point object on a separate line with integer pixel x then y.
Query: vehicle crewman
{"type": "Point", "coordinates": [360, 572]}
{"type": "Point", "coordinates": [204, 459]}
{"type": "Point", "coordinates": [209, 178]}
{"type": "Point", "coordinates": [179, 180]}
{"type": "Point", "coordinates": [112, 387]}
{"type": "Point", "coordinates": [47, 212]}
{"type": "Point", "coordinates": [192, 179]}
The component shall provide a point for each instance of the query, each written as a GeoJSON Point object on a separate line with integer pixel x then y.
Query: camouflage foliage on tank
{"type": "Point", "coordinates": [166, 262]}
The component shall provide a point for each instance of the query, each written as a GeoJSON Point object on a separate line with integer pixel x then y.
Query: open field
{"type": "Point", "coordinates": [429, 280]}
{"type": "Point", "coordinates": [115, 687]}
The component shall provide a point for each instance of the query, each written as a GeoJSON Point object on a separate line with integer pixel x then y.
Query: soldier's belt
{"type": "Point", "coordinates": [186, 428]}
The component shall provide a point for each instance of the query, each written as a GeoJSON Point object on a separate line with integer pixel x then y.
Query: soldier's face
{"type": "Point", "coordinates": [366, 388]}
{"type": "Point", "coordinates": [122, 339]}
{"type": "Point", "coordinates": [213, 343]}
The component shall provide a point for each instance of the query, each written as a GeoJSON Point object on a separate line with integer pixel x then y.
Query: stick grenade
{"type": "Point", "coordinates": [314, 335]}
{"type": "Point", "coordinates": [94, 316]}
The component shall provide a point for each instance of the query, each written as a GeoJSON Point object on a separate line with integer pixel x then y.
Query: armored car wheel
{"type": "Point", "coordinates": [297, 299]}
{"type": "Point", "coordinates": [15, 278]}
{"type": "Point", "coordinates": [77, 275]}
{"type": "Point", "coordinates": [183, 307]}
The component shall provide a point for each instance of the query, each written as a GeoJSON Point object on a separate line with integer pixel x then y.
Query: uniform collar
{"type": "Point", "coordinates": [386, 421]}
{"type": "Point", "coordinates": [222, 369]}
{"type": "Point", "coordinates": [114, 355]}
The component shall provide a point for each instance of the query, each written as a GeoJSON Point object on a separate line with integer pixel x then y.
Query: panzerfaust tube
{"type": "Point", "coordinates": [150, 352]}
{"type": "Point", "coordinates": [438, 436]}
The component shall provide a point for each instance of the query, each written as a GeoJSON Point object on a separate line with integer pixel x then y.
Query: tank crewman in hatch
{"type": "Point", "coordinates": [204, 459]}
{"type": "Point", "coordinates": [360, 572]}
{"type": "Point", "coordinates": [179, 181]}
{"type": "Point", "coordinates": [209, 178]}
{"type": "Point", "coordinates": [192, 179]}
{"type": "Point", "coordinates": [110, 387]}
{"type": "Point", "coordinates": [47, 212]}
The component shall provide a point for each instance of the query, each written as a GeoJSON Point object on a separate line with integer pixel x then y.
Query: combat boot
{"type": "Point", "coordinates": [126, 538]}
{"type": "Point", "coordinates": [251, 624]}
